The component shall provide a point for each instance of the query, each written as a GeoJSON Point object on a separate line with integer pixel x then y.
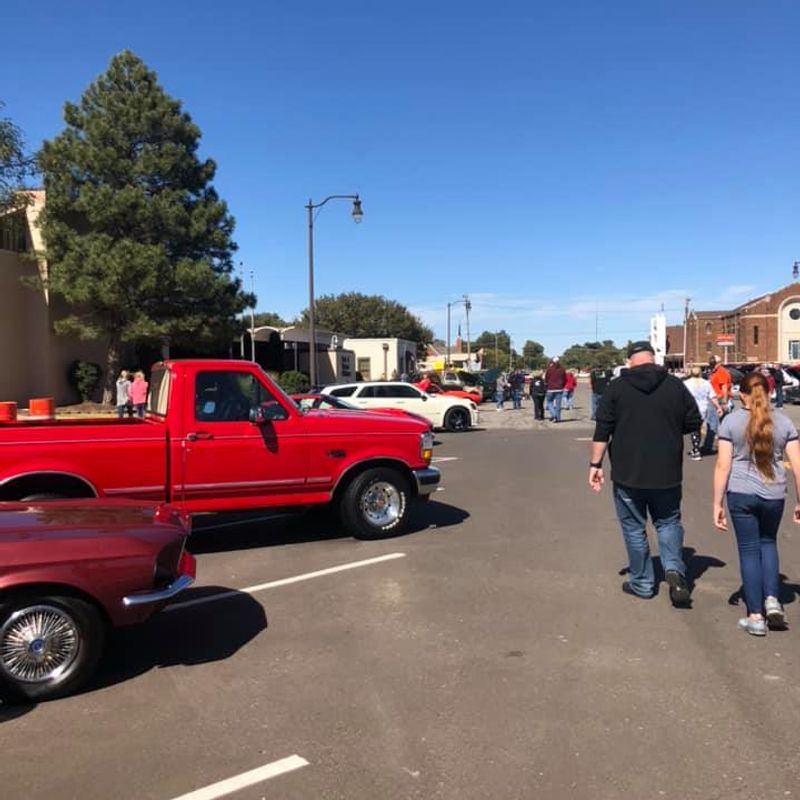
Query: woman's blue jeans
{"type": "Point", "coordinates": [756, 522]}
{"type": "Point", "coordinates": [664, 506]}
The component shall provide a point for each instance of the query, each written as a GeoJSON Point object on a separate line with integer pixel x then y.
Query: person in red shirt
{"type": "Point", "coordinates": [425, 383]}
{"type": "Point", "coordinates": [569, 389]}
{"type": "Point", "coordinates": [720, 380]}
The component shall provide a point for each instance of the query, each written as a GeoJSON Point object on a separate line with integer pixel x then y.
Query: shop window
{"type": "Point", "coordinates": [755, 334]}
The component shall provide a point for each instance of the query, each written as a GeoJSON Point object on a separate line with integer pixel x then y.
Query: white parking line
{"type": "Point", "coordinates": [237, 782]}
{"type": "Point", "coordinates": [286, 581]}
{"type": "Point", "coordinates": [437, 459]}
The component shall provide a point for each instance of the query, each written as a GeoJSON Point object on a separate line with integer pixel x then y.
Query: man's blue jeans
{"type": "Point", "coordinates": [516, 398]}
{"type": "Point", "coordinates": [595, 403]}
{"type": "Point", "coordinates": [554, 404]}
{"type": "Point", "coordinates": [664, 506]}
{"type": "Point", "coordinates": [756, 522]}
{"type": "Point", "coordinates": [712, 426]}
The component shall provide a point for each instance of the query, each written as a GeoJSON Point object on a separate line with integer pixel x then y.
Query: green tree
{"type": "Point", "coordinates": [368, 316]}
{"type": "Point", "coordinates": [15, 165]}
{"type": "Point", "coordinates": [533, 355]}
{"type": "Point", "coordinates": [496, 346]}
{"type": "Point", "coordinates": [269, 318]}
{"type": "Point", "coordinates": [603, 355]}
{"type": "Point", "coordinates": [138, 242]}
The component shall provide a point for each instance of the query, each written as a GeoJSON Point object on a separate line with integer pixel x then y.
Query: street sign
{"type": "Point", "coordinates": [726, 339]}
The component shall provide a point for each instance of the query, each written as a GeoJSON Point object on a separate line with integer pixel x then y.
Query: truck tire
{"type": "Point", "coordinates": [375, 504]}
{"type": "Point", "coordinates": [49, 645]}
{"type": "Point", "coordinates": [457, 420]}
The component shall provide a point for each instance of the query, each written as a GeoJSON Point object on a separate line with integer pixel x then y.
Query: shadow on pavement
{"type": "Point", "coordinates": [12, 711]}
{"type": "Point", "coordinates": [787, 594]}
{"type": "Point", "coordinates": [696, 567]}
{"type": "Point", "coordinates": [199, 634]}
{"type": "Point", "coordinates": [316, 525]}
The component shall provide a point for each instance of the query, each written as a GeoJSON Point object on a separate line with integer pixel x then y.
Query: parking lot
{"type": "Point", "coordinates": [487, 653]}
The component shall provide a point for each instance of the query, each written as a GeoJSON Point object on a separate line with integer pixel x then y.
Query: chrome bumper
{"type": "Point", "coordinates": [142, 598]}
{"type": "Point", "coordinates": [427, 480]}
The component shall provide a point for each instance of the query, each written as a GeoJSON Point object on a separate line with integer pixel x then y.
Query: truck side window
{"type": "Point", "coordinates": [228, 396]}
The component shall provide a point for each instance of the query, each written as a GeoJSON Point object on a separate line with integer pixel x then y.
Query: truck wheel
{"type": "Point", "coordinates": [457, 420]}
{"type": "Point", "coordinates": [49, 645]}
{"type": "Point", "coordinates": [375, 504]}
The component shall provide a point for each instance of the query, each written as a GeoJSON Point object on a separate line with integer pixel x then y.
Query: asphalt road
{"type": "Point", "coordinates": [495, 658]}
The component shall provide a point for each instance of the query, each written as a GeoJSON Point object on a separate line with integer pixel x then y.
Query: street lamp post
{"type": "Point", "coordinates": [358, 215]}
{"type": "Point", "coordinates": [447, 363]}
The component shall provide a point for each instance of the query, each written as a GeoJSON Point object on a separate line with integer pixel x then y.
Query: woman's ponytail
{"type": "Point", "coordinates": [760, 427]}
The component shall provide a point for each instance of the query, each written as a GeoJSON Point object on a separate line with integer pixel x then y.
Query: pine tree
{"type": "Point", "coordinates": [137, 241]}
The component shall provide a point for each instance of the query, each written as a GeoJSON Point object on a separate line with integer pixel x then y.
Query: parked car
{"type": "Point", "coordinates": [70, 571]}
{"type": "Point", "coordinates": [460, 381]}
{"type": "Point", "coordinates": [442, 411]}
{"type": "Point", "coordinates": [310, 400]}
{"type": "Point", "coordinates": [450, 391]}
{"type": "Point", "coordinates": [219, 435]}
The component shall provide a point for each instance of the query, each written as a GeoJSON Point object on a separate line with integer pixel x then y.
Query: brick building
{"type": "Point", "coordinates": [766, 328]}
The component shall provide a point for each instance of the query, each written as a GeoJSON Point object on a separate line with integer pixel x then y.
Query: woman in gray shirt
{"type": "Point", "coordinates": [752, 444]}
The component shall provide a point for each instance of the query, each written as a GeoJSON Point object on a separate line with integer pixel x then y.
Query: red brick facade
{"type": "Point", "coordinates": [763, 329]}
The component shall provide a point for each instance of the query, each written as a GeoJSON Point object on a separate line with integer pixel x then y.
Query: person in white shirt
{"type": "Point", "coordinates": [707, 403]}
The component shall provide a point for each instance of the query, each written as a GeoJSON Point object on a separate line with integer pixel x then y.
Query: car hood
{"type": "Point", "coordinates": [347, 421]}
{"type": "Point", "coordinates": [86, 514]}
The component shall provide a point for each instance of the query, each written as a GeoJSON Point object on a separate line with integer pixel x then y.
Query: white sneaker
{"type": "Point", "coordinates": [775, 614]}
{"type": "Point", "coordinates": [755, 627]}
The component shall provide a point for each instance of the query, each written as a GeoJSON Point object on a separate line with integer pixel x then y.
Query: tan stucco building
{"type": "Point", "coordinates": [33, 361]}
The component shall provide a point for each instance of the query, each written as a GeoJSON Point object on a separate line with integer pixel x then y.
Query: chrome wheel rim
{"type": "Point", "coordinates": [381, 504]}
{"type": "Point", "coordinates": [38, 644]}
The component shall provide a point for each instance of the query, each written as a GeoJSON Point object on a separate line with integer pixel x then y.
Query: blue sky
{"type": "Point", "coordinates": [564, 164]}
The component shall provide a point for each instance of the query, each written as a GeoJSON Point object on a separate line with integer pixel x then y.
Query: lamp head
{"type": "Point", "coordinates": [358, 214]}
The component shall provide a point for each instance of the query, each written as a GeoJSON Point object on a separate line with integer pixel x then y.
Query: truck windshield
{"type": "Point", "coordinates": [158, 396]}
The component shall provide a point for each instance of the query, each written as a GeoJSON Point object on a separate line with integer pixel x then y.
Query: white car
{"type": "Point", "coordinates": [443, 411]}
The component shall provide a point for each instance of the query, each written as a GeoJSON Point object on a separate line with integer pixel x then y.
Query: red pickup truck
{"type": "Point", "coordinates": [219, 435]}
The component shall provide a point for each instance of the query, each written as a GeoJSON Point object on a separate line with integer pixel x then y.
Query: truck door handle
{"type": "Point", "coordinates": [194, 436]}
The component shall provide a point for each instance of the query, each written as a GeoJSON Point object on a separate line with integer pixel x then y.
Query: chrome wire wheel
{"type": "Point", "coordinates": [38, 644]}
{"type": "Point", "coordinates": [381, 504]}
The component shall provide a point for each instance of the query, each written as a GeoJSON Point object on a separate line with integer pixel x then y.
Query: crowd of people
{"type": "Point", "coordinates": [642, 418]}
{"type": "Point", "coordinates": [553, 388]}
{"type": "Point", "coordinates": [131, 394]}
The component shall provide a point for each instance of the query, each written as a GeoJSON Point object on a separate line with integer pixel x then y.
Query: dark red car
{"type": "Point", "coordinates": [68, 572]}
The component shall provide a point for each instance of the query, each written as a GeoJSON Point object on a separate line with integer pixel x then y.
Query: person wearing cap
{"type": "Point", "coordinates": [721, 383]}
{"type": "Point", "coordinates": [641, 420]}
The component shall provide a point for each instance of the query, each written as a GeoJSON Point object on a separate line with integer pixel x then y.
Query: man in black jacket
{"type": "Point", "coordinates": [645, 414]}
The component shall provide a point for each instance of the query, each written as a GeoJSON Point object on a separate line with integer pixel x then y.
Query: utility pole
{"type": "Point", "coordinates": [597, 321]}
{"type": "Point", "coordinates": [253, 317]}
{"type": "Point", "coordinates": [447, 363]}
{"type": "Point", "coordinates": [686, 332]}
{"type": "Point", "coordinates": [467, 307]}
